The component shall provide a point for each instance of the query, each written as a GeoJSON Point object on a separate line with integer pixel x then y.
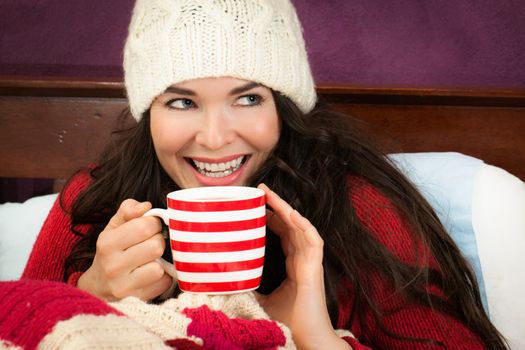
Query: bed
{"type": "Point", "coordinates": [52, 127]}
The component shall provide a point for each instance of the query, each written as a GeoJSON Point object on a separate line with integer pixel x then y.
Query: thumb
{"type": "Point", "coordinates": [129, 209]}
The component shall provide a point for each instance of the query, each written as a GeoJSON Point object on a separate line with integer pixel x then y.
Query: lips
{"type": "Point", "coordinates": [218, 169]}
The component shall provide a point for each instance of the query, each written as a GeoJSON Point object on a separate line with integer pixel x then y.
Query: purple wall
{"type": "Point", "coordinates": [419, 43]}
{"type": "Point", "coordinates": [81, 38]}
{"type": "Point", "coordinates": [432, 43]}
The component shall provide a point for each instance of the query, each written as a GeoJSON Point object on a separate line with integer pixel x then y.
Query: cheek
{"type": "Point", "coordinates": [265, 133]}
{"type": "Point", "coordinates": [167, 135]}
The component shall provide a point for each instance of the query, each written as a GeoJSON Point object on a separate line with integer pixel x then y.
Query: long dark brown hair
{"type": "Point", "coordinates": [309, 168]}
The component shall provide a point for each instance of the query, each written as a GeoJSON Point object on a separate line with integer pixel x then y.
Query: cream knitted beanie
{"type": "Point", "coordinates": [171, 41]}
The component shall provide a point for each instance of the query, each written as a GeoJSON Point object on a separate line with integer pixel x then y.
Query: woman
{"type": "Point", "coordinates": [223, 95]}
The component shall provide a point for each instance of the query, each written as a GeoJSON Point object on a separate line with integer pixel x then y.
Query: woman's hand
{"type": "Point", "coordinates": [300, 301]}
{"type": "Point", "coordinates": [125, 259]}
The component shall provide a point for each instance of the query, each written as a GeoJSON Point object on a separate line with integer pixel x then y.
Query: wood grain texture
{"type": "Point", "coordinates": [51, 128]}
{"type": "Point", "coordinates": [494, 134]}
{"type": "Point", "coordinates": [53, 137]}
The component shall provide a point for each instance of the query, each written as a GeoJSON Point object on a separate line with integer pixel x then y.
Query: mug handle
{"type": "Point", "coordinates": [168, 267]}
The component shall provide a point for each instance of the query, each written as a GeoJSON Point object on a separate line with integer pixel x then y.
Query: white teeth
{"type": "Point", "coordinates": [218, 169]}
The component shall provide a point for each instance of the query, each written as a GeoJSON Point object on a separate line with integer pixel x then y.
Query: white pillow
{"type": "Point", "coordinates": [498, 217]}
{"type": "Point", "coordinates": [483, 208]}
{"type": "Point", "coordinates": [446, 180]}
{"type": "Point", "coordinates": [20, 224]}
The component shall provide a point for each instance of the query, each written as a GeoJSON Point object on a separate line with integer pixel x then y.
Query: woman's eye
{"type": "Point", "coordinates": [249, 100]}
{"type": "Point", "coordinates": [181, 103]}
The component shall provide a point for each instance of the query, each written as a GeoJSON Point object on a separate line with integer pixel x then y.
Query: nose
{"type": "Point", "coordinates": [215, 130]}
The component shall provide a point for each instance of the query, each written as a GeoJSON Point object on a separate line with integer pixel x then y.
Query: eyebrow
{"type": "Point", "coordinates": [180, 91]}
{"type": "Point", "coordinates": [234, 91]}
{"type": "Point", "coordinates": [244, 88]}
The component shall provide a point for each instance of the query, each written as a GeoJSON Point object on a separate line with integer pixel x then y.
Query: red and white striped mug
{"type": "Point", "coordinates": [217, 237]}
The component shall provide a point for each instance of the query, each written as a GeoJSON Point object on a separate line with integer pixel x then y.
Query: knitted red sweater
{"type": "Point", "coordinates": [376, 212]}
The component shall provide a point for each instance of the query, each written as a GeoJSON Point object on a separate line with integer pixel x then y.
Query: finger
{"type": "Point", "coordinates": [302, 236]}
{"type": "Point", "coordinates": [149, 281]}
{"type": "Point", "coordinates": [279, 228]}
{"type": "Point", "coordinates": [274, 223]}
{"type": "Point", "coordinates": [146, 274]}
{"type": "Point", "coordinates": [129, 209]}
{"type": "Point", "coordinates": [279, 206]}
{"type": "Point", "coordinates": [310, 234]}
{"type": "Point", "coordinates": [131, 233]}
{"type": "Point", "coordinates": [168, 267]}
{"type": "Point", "coordinates": [281, 221]}
{"type": "Point", "coordinates": [146, 251]}
{"type": "Point", "coordinates": [285, 227]}
{"type": "Point", "coordinates": [155, 289]}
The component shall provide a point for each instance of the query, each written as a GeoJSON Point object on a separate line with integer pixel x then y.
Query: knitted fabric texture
{"type": "Point", "coordinates": [375, 212]}
{"type": "Point", "coordinates": [50, 315]}
{"type": "Point", "coordinates": [172, 41]}
{"type": "Point", "coordinates": [225, 322]}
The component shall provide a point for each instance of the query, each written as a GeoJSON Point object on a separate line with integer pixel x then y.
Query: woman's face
{"type": "Point", "coordinates": [214, 131]}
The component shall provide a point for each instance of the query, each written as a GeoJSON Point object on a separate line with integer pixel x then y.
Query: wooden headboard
{"type": "Point", "coordinates": [52, 127]}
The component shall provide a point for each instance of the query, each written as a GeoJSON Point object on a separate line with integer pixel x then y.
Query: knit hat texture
{"type": "Point", "coordinates": [171, 41]}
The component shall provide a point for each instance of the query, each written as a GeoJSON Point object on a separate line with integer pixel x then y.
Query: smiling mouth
{"type": "Point", "coordinates": [218, 169]}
